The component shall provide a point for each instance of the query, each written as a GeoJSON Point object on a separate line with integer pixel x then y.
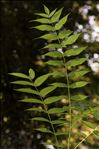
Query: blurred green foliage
{"type": "Point", "coordinates": [19, 52]}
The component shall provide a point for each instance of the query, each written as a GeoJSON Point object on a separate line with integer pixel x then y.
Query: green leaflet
{"type": "Point", "coordinates": [20, 75]}
{"type": "Point", "coordinates": [61, 22]}
{"type": "Point", "coordinates": [64, 34]}
{"type": "Point", "coordinates": [42, 15]}
{"type": "Point", "coordinates": [78, 97]}
{"type": "Point", "coordinates": [22, 83]}
{"type": "Point", "coordinates": [89, 124]}
{"type": "Point", "coordinates": [31, 100]}
{"type": "Point", "coordinates": [31, 73]}
{"type": "Point", "coordinates": [53, 54]}
{"type": "Point", "coordinates": [59, 84]}
{"type": "Point", "coordinates": [58, 74]}
{"type": "Point", "coordinates": [55, 62]}
{"type": "Point", "coordinates": [70, 40]}
{"type": "Point", "coordinates": [42, 20]}
{"type": "Point", "coordinates": [40, 119]}
{"type": "Point", "coordinates": [44, 27]}
{"type": "Point", "coordinates": [78, 84]}
{"type": "Point", "coordinates": [55, 122]}
{"type": "Point", "coordinates": [53, 45]}
{"type": "Point", "coordinates": [27, 90]}
{"type": "Point", "coordinates": [75, 62]}
{"type": "Point", "coordinates": [49, 36]}
{"type": "Point", "coordinates": [57, 110]}
{"type": "Point", "coordinates": [77, 74]}
{"type": "Point", "coordinates": [51, 14]}
{"type": "Point", "coordinates": [74, 51]}
{"type": "Point", "coordinates": [40, 80]}
{"type": "Point", "coordinates": [47, 90]}
{"type": "Point", "coordinates": [53, 99]}
{"type": "Point", "coordinates": [56, 16]}
{"type": "Point", "coordinates": [47, 11]}
{"type": "Point", "coordinates": [45, 130]}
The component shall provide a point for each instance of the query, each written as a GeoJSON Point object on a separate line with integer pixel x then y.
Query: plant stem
{"type": "Point", "coordinates": [70, 111]}
{"type": "Point", "coordinates": [48, 117]}
{"type": "Point", "coordinates": [85, 137]}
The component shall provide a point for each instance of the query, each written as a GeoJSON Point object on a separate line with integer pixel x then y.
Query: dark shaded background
{"type": "Point", "coordinates": [19, 52]}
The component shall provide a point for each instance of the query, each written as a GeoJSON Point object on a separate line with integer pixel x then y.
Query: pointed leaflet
{"type": "Point", "coordinates": [74, 51]}
{"type": "Point", "coordinates": [42, 15]}
{"type": "Point", "coordinates": [75, 62]}
{"type": "Point", "coordinates": [47, 11]}
{"type": "Point", "coordinates": [59, 84]}
{"type": "Point", "coordinates": [52, 13]}
{"type": "Point", "coordinates": [42, 20]}
{"type": "Point", "coordinates": [71, 39]}
{"type": "Point", "coordinates": [53, 54]}
{"type": "Point", "coordinates": [41, 79]}
{"type": "Point", "coordinates": [31, 100]}
{"type": "Point", "coordinates": [20, 75]}
{"type": "Point", "coordinates": [57, 110]}
{"type": "Point", "coordinates": [78, 97]}
{"type": "Point", "coordinates": [40, 119]}
{"type": "Point", "coordinates": [64, 34]}
{"type": "Point", "coordinates": [78, 84]}
{"type": "Point", "coordinates": [49, 36]}
{"type": "Point", "coordinates": [45, 130]}
{"type": "Point", "coordinates": [77, 74]}
{"type": "Point", "coordinates": [22, 83]}
{"type": "Point", "coordinates": [53, 45]}
{"type": "Point", "coordinates": [58, 74]}
{"type": "Point", "coordinates": [58, 122]}
{"type": "Point", "coordinates": [44, 27]}
{"type": "Point", "coordinates": [55, 62]}
{"type": "Point", "coordinates": [56, 16]}
{"type": "Point", "coordinates": [31, 73]}
{"type": "Point", "coordinates": [53, 99]}
{"type": "Point", "coordinates": [61, 22]}
{"type": "Point", "coordinates": [27, 90]}
{"type": "Point", "coordinates": [47, 90]}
